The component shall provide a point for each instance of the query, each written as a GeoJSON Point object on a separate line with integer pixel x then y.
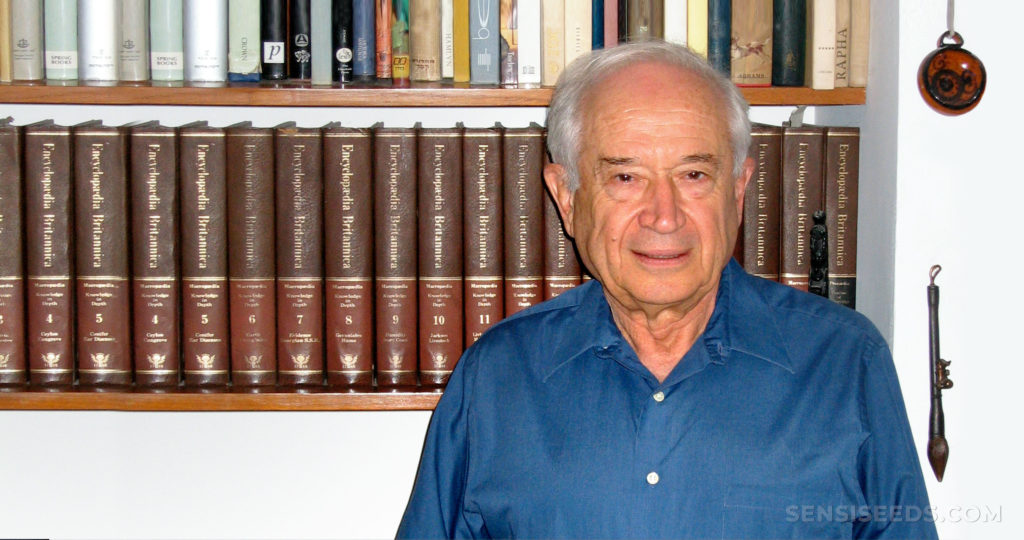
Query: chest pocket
{"type": "Point", "coordinates": [786, 510]}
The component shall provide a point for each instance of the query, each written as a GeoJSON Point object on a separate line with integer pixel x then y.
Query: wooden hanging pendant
{"type": "Point", "coordinates": [951, 79]}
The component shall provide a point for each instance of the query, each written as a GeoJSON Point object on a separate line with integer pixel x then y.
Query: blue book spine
{"type": "Point", "coordinates": [597, 24]}
{"type": "Point", "coordinates": [364, 39]}
{"type": "Point", "coordinates": [484, 42]}
{"type": "Point", "coordinates": [720, 35]}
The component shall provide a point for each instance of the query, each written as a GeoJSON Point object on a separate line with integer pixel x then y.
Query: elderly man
{"type": "Point", "coordinates": [675, 395]}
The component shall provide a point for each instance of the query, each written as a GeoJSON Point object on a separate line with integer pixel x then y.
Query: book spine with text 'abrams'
{"type": "Point", "coordinates": [48, 255]}
{"type": "Point", "coordinates": [27, 40]}
{"type": "Point", "coordinates": [789, 31]}
{"type": "Point", "coordinates": [252, 289]}
{"type": "Point", "coordinates": [299, 56]}
{"type": "Point", "coordinates": [364, 39]}
{"type": "Point", "coordinates": [561, 267]}
{"type": "Point", "coordinates": [577, 29]}
{"type": "Point", "coordinates": [300, 268]}
{"type": "Point", "coordinates": [5, 40]}
{"type": "Point", "coordinates": [322, 37]}
{"type": "Point", "coordinates": [342, 41]}
{"type": "Point", "coordinates": [13, 368]}
{"type": "Point", "coordinates": [552, 40]}
{"type": "Point", "coordinates": [383, 19]}
{"type": "Point", "coordinates": [400, 43]}
{"type": "Point", "coordinates": [842, 168]}
{"type": "Point", "coordinates": [802, 183]}
{"type": "Point", "coordinates": [484, 42]}
{"type": "Point", "coordinates": [820, 45]}
{"type": "Point", "coordinates": [395, 254]}
{"type": "Point", "coordinates": [483, 265]}
{"type": "Point", "coordinates": [860, 33]}
{"type": "Point", "coordinates": [243, 40]}
{"type": "Point", "coordinates": [425, 40]}
{"type": "Point", "coordinates": [348, 255]}
{"type": "Point", "coordinates": [842, 51]}
{"type": "Point", "coordinates": [205, 24]}
{"type": "Point", "coordinates": [697, 26]}
{"type": "Point", "coordinates": [204, 254]}
{"type": "Point", "coordinates": [99, 26]}
{"type": "Point", "coordinates": [720, 35]}
{"type": "Point", "coordinates": [529, 44]}
{"type": "Point", "coordinates": [752, 42]}
{"type": "Point", "coordinates": [133, 61]}
{"type": "Point", "coordinates": [760, 238]}
{"type": "Point", "coordinates": [103, 290]}
{"type": "Point", "coordinates": [509, 45]}
{"type": "Point", "coordinates": [155, 254]}
{"type": "Point", "coordinates": [166, 41]}
{"type": "Point", "coordinates": [440, 249]}
{"type": "Point", "coordinates": [274, 39]}
{"type": "Point", "coordinates": [523, 162]}
{"type": "Point", "coordinates": [60, 31]}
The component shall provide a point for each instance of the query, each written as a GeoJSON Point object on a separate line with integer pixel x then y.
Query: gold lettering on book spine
{"type": "Point", "coordinates": [483, 201]}
{"type": "Point", "coordinates": [250, 222]}
{"type": "Point", "coordinates": [347, 202]}
{"type": "Point", "coordinates": [522, 215]}
{"type": "Point", "coordinates": [437, 184]}
{"type": "Point", "coordinates": [393, 204]}
{"type": "Point", "coordinates": [96, 201]}
{"type": "Point", "coordinates": [801, 203]}
{"type": "Point", "coordinates": [153, 203]}
{"type": "Point", "coordinates": [298, 204]}
{"type": "Point", "coordinates": [202, 202]}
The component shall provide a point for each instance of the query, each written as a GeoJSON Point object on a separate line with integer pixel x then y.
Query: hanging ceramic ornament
{"type": "Point", "coordinates": [951, 79]}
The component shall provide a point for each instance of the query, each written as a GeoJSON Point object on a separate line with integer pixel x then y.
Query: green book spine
{"type": "Point", "coordinates": [320, 38]}
{"type": "Point", "coordinates": [166, 46]}
{"type": "Point", "coordinates": [244, 40]}
{"type": "Point", "coordinates": [60, 26]}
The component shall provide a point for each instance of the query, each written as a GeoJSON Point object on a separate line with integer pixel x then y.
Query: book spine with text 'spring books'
{"type": "Point", "coordinates": [425, 40]}
{"type": "Point", "coordinates": [448, 39]}
{"type": "Point", "coordinates": [789, 31]}
{"type": "Point", "coordinates": [13, 368]}
{"type": "Point", "coordinates": [523, 162]}
{"type": "Point", "coordinates": [697, 26]}
{"type": "Point", "coordinates": [27, 40]}
{"type": "Point", "coordinates": [274, 39]}
{"type": "Point", "coordinates": [552, 40]}
{"type": "Point", "coordinates": [133, 63]}
{"type": "Point", "coordinates": [155, 253]}
{"type": "Point", "coordinates": [561, 267]}
{"type": "Point", "coordinates": [395, 254]}
{"type": "Point", "coordinates": [842, 169]}
{"type": "Point", "coordinates": [99, 24]}
{"type": "Point", "coordinates": [860, 33]}
{"type": "Point", "coordinates": [760, 237]}
{"type": "Point", "coordinates": [577, 29]}
{"type": "Point", "coordinates": [483, 267]}
{"type": "Point", "coordinates": [440, 248]}
{"type": "Point", "coordinates": [802, 149]}
{"type": "Point", "coordinates": [383, 19]}
{"type": "Point", "coordinates": [5, 40]}
{"type": "Point", "coordinates": [364, 39]}
{"type": "Point", "coordinates": [528, 59]}
{"type": "Point", "coordinates": [103, 290]}
{"type": "Point", "coordinates": [820, 43]}
{"type": "Point", "coordinates": [752, 39]}
{"type": "Point", "coordinates": [243, 40]}
{"type": "Point", "coordinates": [48, 255]}
{"type": "Point", "coordinates": [348, 255]}
{"type": "Point", "coordinates": [509, 27]}
{"type": "Point", "coordinates": [321, 41]}
{"type": "Point", "coordinates": [842, 50]}
{"type": "Point", "coordinates": [300, 268]}
{"type": "Point", "coordinates": [299, 56]}
{"type": "Point", "coordinates": [252, 289]}
{"type": "Point", "coordinates": [204, 254]}
{"type": "Point", "coordinates": [400, 42]}
{"type": "Point", "coordinates": [484, 42]}
{"type": "Point", "coordinates": [720, 35]}
{"type": "Point", "coordinates": [60, 31]}
{"type": "Point", "coordinates": [342, 40]}
{"type": "Point", "coordinates": [206, 40]}
{"type": "Point", "coordinates": [166, 41]}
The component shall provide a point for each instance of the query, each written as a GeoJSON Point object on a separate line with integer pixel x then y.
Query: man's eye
{"type": "Point", "coordinates": [624, 178]}
{"type": "Point", "coordinates": [696, 175]}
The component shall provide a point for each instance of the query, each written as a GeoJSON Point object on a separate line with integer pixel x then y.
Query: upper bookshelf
{"type": "Point", "coordinates": [293, 95]}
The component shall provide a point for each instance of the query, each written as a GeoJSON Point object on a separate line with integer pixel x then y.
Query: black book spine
{"type": "Point", "coordinates": [299, 59]}
{"type": "Point", "coordinates": [273, 38]}
{"type": "Point", "coordinates": [789, 19]}
{"type": "Point", "coordinates": [341, 37]}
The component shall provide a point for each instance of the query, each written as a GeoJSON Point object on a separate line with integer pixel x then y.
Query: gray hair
{"type": "Point", "coordinates": [565, 113]}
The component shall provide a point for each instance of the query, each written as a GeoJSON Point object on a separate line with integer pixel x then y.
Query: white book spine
{"type": "Point", "coordinates": [321, 47]}
{"type": "Point", "coordinates": [675, 21]}
{"type": "Point", "coordinates": [99, 23]}
{"type": "Point", "coordinates": [134, 50]}
{"type": "Point", "coordinates": [447, 39]}
{"type": "Point", "coordinates": [206, 40]}
{"type": "Point", "coordinates": [529, 43]}
{"type": "Point", "coordinates": [552, 40]}
{"type": "Point", "coordinates": [27, 40]}
{"type": "Point", "coordinates": [820, 72]}
{"type": "Point", "coordinates": [578, 26]}
{"type": "Point", "coordinates": [842, 51]}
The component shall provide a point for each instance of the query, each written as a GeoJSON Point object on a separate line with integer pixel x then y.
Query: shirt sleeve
{"type": "Point", "coordinates": [890, 473]}
{"type": "Point", "coordinates": [436, 506]}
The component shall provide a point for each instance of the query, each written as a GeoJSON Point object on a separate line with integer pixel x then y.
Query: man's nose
{"type": "Point", "coordinates": [662, 207]}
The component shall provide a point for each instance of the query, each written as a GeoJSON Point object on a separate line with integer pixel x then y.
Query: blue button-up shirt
{"type": "Point", "coordinates": [784, 420]}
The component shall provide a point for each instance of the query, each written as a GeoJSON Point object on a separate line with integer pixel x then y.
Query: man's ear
{"type": "Point", "coordinates": [556, 178]}
{"type": "Point", "coordinates": [741, 185]}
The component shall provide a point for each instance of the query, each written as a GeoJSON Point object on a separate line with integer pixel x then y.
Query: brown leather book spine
{"type": "Point", "coordinates": [842, 169]}
{"type": "Point", "coordinates": [155, 251]}
{"type": "Point", "coordinates": [348, 256]}
{"type": "Point", "coordinates": [523, 217]}
{"type": "Point", "coordinates": [13, 368]}
{"type": "Point", "coordinates": [802, 183]}
{"type": "Point", "coordinates": [394, 221]}
{"type": "Point", "coordinates": [251, 274]}
{"type": "Point", "coordinates": [761, 212]}
{"type": "Point", "coordinates": [440, 247]}
{"type": "Point", "coordinates": [561, 267]}
{"type": "Point", "coordinates": [300, 267]}
{"type": "Point", "coordinates": [48, 256]}
{"type": "Point", "coordinates": [103, 289]}
{"type": "Point", "coordinates": [483, 267]}
{"type": "Point", "coordinates": [204, 255]}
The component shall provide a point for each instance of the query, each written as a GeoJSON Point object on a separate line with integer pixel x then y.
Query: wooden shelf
{"type": "Point", "coordinates": [316, 400]}
{"type": "Point", "coordinates": [292, 95]}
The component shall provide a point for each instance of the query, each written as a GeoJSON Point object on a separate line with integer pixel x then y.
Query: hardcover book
{"type": "Point", "coordinates": [103, 291]}
{"type": "Point", "coordinates": [342, 41]}
{"type": "Point", "coordinates": [13, 368]}
{"type": "Point", "coordinates": [860, 34]}
{"type": "Point", "coordinates": [484, 266]}
{"type": "Point", "coordinates": [99, 23]}
{"type": "Point", "coordinates": [133, 61]}
{"type": "Point", "coordinates": [720, 35]}
{"type": "Point", "coordinates": [425, 40]}
{"type": "Point", "coordinates": [252, 288]}
{"type": "Point", "coordinates": [789, 31]}
{"type": "Point", "coordinates": [274, 39]}
{"type": "Point", "coordinates": [675, 21]}
{"type": "Point", "coordinates": [508, 23]}
{"type": "Point", "coordinates": [752, 42]}
{"type": "Point", "coordinates": [820, 63]}
{"type": "Point", "coordinates": [760, 239]}
{"type": "Point", "coordinates": [60, 30]}
{"type": "Point", "coordinates": [400, 46]}
{"type": "Point", "coordinates": [842, 52]}
{"type": "Point", "coordinates": [523, 196]}
{"type": "Point", "coordinates": [166, 41]}
{"type": "Point", "coordinates": [243, 40]}
{"type": "Point", "coordinates": [27, 40]}
{"type": "Point", "coordinates": [364, 39]}
{"type": "Point", "coordinates": [529, 45]}
{"type": "Point", "coordinates": [5, 40]}
{"type": "Point", "coordinates": [561, 267]}
{"type": "Point", "coordinates": [484, 42]}
{"type": "Point", "coordinates": [323, 25]}
{"type": "Point", "coordinates": [155, 252]}
{"type": "Point", "coordinates": [300, 55]}
{"type": "Point", "coordinates": [577, 29]}
{"type": "Point", "coordinates": [206, 40]}
{"type": "Point", "coordinates": [802, 183]}
{"type": "Point", "coordinates": [640, 20]}
{"type": "Point", "coordinates": [440, 247]}
{"type": "Point", "coordinates": [552, 40]}
{"type": "Point", "coordinates": [842, 168]}
{"type": "Point", "coordinates": [383, 18]}
{"type": "Point", "coordinates": [448, 38]}
{"type": "Point", "coordinates": [697, 26]}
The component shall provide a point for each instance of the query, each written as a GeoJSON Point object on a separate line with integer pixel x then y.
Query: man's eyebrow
{"type": "Point", "coordinates": [615, 160]}
{"type": "Point", "coordinates": [700, 158]}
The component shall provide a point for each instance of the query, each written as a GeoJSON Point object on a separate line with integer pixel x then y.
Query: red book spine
{"type": "Point", "coordinates": [251, 275]}
{"type": "Point", "coordinates": [483, 266]}
{"type": "Point", "coordinates": [523, 217]}
{"type": "Point", "coordinates": [440, 249]}
{"type": "Point", "coordinates": [300, 269]}
{"type": "Point", "coordinates": [13, 368]}
{"type": "Point", "coordinates": [348, 255]}
{"type": "Point", "coordinates": [155, 251]}
{"type": "Point", "coordinates": [101, 256]}
{"type": "Point", "coordinates": [760, 239]}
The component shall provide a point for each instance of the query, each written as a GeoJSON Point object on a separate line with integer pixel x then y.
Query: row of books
{"type": "Point", "coordinates": [251, 256]}
{"type": "Point", "coordinates": [817, 43]}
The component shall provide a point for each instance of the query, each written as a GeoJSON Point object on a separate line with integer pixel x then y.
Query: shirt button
{"type": "Point", "coordinates": [659, 396]}
{"type": "Point", "coordinates": [652, 478]}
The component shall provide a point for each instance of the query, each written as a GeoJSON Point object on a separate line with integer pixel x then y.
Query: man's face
{"type": "Point", "coordinates": [656, 215]}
